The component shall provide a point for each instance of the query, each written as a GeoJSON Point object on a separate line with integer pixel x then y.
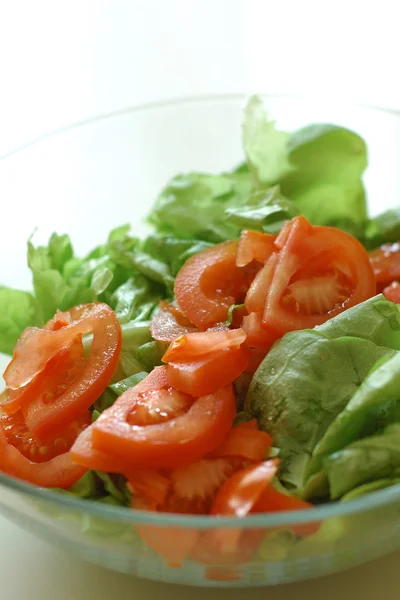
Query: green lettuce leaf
{"type": "Point", "coordinates": [18, 310]}
{"type": "Point", "coordinates": [366, 460]}
{"type": "Point", "coordinates": [192, 206]}
{"type": "Point", "coordinates": [265, 147]}
{"type": "Point", "coordinates": [375, 405]}
{"type": "Point", "coordinates": [265, 210]}
{"type": "Point", "coordinates": [304, 382]}
{"type": "Point", "coordinates": [383, 229]}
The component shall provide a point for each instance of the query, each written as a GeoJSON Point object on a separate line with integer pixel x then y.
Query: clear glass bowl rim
{"type": "Point", "coordinates": [365, 503]}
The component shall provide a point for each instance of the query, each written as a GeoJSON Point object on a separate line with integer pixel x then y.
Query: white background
{"type": "Point", "coordinates": [62, 62]}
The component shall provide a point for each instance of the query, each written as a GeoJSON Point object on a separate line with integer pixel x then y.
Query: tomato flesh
{"type": "Point", "coordinates": [186, 438]}
{"type": "Point", "coordinates": [71, 394]}
{"type": "Point", "coordinates": [254, 246]}
{"type": "Point", "coordinates": [209, 283]}
{"type": "Point", "coordinates": [195, 345]}
{"type": "Point", "coordinates": [169, 323]}
{"type": "Point", "coordinates": [245, 443]}
{"type": "Point", "coordinates": [385, 262]}
{"type": "Point", "coordinates": [392, 292]}
{"type": "Point", "coordinates": [37, 450]}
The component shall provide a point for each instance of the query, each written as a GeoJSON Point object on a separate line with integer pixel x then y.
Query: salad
{"type": "Point", "coordinates": [243, 358]}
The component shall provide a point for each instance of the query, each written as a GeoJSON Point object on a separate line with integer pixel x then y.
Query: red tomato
{"type": "Point", "coordinates": [169, 323]}
{"type": "Point", "coordinates": [72, 391]}
{"type": "Point", "coordinates": [39, 451]}
{"type": "Point", "coordinates": [209, 373]}
{"type": "Point", "coordinates": [194, 486]}
{"type": "Point", "coordinates": [258, 337]}
{"type": "Point", "coordinates": [150, 484]}
{"type": "Point", "coordinates": [241, 492]}
{"type": "Point", "coordinates": [173, 544]}
{"type": "Point", "coordinates": [187, 437]}
{"type": "Point", "coordinates": [209, 283]}
{"type": "Point", "coordinates": [258, 290]}
{"type": "Point", "coordinates": [256, 358]}
{"type": "Point", "coordinates": [385, 262]}
{"type": "Point", "coordinates": [272, 500]}
{"type": "Point", "coordinates": [57, 472]}
{"type": "Point", "coordinates": [254, 246]}
{"type": "Point", "coordinates": [83, 452]}
{"type": "Point", "coordinates": [392, 292]}
{"type": "Point", "coordinates": [319, 273]}
{"type": "Point", "coordinates": [247, 443]}
{"type": "Point", "coordinates": [54, 374]}
{"type": "Point", "coordinates": [196, 345]}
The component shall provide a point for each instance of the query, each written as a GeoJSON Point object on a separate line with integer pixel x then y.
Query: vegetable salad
{"type": "Point", "coordinates": [243, 358]}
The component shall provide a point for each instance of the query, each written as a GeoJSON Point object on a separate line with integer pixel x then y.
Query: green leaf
{"type": "Point", "coordinates": [368, 488]}
{"type": "Point", "coordinates": [192, 206]}
{"type": "Point", "coordinates": [17, 311]}
{"type": "Point", "coordinates": [150, 354]}
{"type": "Point", "coordinates": [304, 382]}
{"type": "Point", "coordinates": [374, 406]}
{"type": "Point", "coordinates": [325, 183]}
{"type": "Point", "coordinates": [266, 210]}
{"type": "Point", "coordinates": [383, 229]}
{"type": "Point", "coordinates": [265, 147]}
{"type": "Point", "coordinates": [135, 299]}
{"type": "Point", "coordinates": [114, 390]}
{"type": "Point", "coordinates": [86, 486]}
{"type": "Point", "coordinates": [366, 460]}
{"type": "Point", "coordinates": [376, 320]}
{"type": "Point", "coordinates": [115, 486]}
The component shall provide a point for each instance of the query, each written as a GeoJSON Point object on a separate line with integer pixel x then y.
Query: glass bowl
{"type": "Point", "coordinates": [90, 177]}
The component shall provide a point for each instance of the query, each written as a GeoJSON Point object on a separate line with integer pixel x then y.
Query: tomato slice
{"type": "Point", "coordinates": [57, 472]}
{"type": "Point", "coordinates": [257, 336]}
{"type": "Point", "coordinates": [194, 486]}
{"type": "Point", "coordinates": [82, 450]}
{"type": "Point", "coordinates": [195, 345]}
{"type": "Point", "coordinates": [254, 246]}
{"type": "Point", "coordinates": [271, 500]}
{"type": "Point", "coordinates": [149, 483]}
{"type": "Point", "coordinates": [245, 443]}
{"type": "Point", "coordinates": [71, 393]}
{"type": "Point", "coordinates": [57, 370]}
{"type": "Point", "coordinates": [170, 323]}
{"type": "Point", "coordinates": [185, 438]}
{"type": "Point", "coordinates": [236, 497]}
{"type": "Point", "coordinates": [240, 493]}
{"type": "Point", "coordinates": [209, 283]}
{"type": "Point", "coordinates": [39, 451]}
{"type": "Point", "coordinates": [258, 290]}
{"type": "Point", "coordinates": [320, 272]}
{"type": "Point", "coordinates": [210, 373]}
{"type": "Point", "coordinates": [385, 262]}
{"type": "Point", "coordinates": [173, 544]}
{"type": "Point", "coordinates": [392, 292]}
{"type": "Point", "coordinates": [255, 360]}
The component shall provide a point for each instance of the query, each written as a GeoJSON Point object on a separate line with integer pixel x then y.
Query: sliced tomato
{"type": "Point", "coordinates": [271, 500]}
{"type": "Point", "coordinates": [57, 472]}
{"type": "Point", "coordinates": [320, 272]}
{"type": "Point", "coordinates": [149, 483]}
{"type": "Point", "coordinates": [236, 497]}
{"type": "Point", "coordinates": [385, 262]}
{"type": "Point", "coordinates": [241, 492]}
{"type": "Point", "coordinates": [254, 246]}
{"type": "Point", "coordinates": [252, 424]}
{"type": "Point", "coordinates": [246, 443]}
{"type": "Point", "coordinates": [61, 369]}
{"type": "Point", "coordinates": [256, 358]}
{"type": "Point", "coordinates": [392, 292]}
{"type": "Point", "coordinates": [39, 451]}
{"type": "Point", "coordinates": [209, 283]}
{"type": "Point", "coordinates": [73, 390]}
{"type": "Point", "coordinates": [194, 486]}
{"type": "Point", "coordinates": [210, 373]}
{"type": "Point", "coordinates": [82, 450]}
{"type": "Point", "coordinates": [185, 438]}
{"type": "Point", "coordinates": [256, 335]}
{"type": "Point", "coordinates": [173, 544]}
{"type": "Point", "coordinates": [196, 345]}
{"type": "Point", "coordinates": [170, 323]}
{"type": "Point", "coordinates": [258, 290]}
